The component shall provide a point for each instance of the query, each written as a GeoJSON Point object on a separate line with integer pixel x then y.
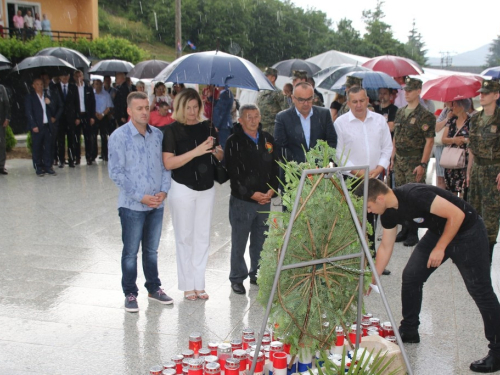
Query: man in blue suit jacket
{"type": "Point", "coordinates": [221, 118]}
{"type": "Point", "coordinates": [300, 127]}
{"type": "Point", "coordinates": [39, 113]}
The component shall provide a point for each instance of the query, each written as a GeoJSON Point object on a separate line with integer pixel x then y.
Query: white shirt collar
{"type": "Point", "coordinates": [369, 114]}
{"type": "Point", "coordinates": [300, 114]}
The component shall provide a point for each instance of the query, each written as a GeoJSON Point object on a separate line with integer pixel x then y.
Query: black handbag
{"type": "Point", "coordinates": [220, 172]}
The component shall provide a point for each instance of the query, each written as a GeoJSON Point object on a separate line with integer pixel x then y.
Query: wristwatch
{"type": "Point", "coordinates": [423, 165]}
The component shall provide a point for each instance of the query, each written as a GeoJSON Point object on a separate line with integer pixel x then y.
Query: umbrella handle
{"type": "Point", "coordinates": [227, 79]}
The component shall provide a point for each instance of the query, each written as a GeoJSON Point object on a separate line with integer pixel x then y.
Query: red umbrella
{"type": "Point", "coordinates": [395, 66]}
{"type": "Point", "coordinates": [449, 88]}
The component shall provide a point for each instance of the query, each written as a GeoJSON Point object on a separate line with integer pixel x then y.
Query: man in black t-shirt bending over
{"type": "Point", "coordinates": [455, 231]}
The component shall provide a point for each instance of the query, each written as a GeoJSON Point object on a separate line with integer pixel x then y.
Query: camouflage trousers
{"type": "Point", "coordinates": [404, 167]}
{"type": "Point", "coordinates": [485, 197]}
{"type": "Point", "coordinates": [268, 128]}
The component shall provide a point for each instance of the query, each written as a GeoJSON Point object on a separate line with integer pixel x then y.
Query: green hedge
{"type": "Point", "coordinates": [100, 48]}
{"type": "Point", "coordinates": [10, 140]}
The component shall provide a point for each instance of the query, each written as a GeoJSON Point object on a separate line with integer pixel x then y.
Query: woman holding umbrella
{"type": "Point", "coordinates": [188, 148]}
{"type": "Point", "coordinates": [456, 134]}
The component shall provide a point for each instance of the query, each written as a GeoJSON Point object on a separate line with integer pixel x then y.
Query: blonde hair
{"type": "Point", "coordinates": [181, 101]}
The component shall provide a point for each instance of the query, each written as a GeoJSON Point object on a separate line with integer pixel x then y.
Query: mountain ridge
{"type": "Point", "coordinates": [476, 57]}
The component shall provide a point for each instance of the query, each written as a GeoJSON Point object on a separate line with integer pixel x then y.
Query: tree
{"type": "Point", "coordinates": [379, 39]}
{"type": "Point", "coordinates": [415, 46]}
{"type": "Point", "coordinates": [346, 38]}
{"type": "Point", "coordinates": [493, 58]}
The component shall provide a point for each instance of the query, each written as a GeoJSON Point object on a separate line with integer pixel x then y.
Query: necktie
{"type": "Point", "coordinates": [64, 91]}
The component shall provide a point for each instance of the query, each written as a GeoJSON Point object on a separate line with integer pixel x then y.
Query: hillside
{"type": "Point", "coordinates": [135, 32]}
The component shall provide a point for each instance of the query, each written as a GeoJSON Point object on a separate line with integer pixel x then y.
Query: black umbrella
{"type": "Point", "coordinates": [111, 67]}
{"type": "Point", "coordinates": [286, 67]}
{"type": "Point", "coordinates": [33, 66]}
{"type": "Point", "coordinates": [4, 63]}
{"type": "Point", "coordinates": [148, 69]}
{"type": "Point", "coordinates": [69, 55]}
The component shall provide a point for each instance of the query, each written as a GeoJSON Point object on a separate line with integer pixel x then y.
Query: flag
{"type": "Point", "coordinates": [191, 45]}
{"type": "Point", "coordinates": [179, 46]}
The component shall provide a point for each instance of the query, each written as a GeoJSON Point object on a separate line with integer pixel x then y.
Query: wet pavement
{"type": "Point", "coordinates": [61, 304]}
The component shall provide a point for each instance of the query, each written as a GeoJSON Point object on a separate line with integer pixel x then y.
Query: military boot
{"type": "Point", "coordinates": [403, 234]}
{"type": "Point", "coordinates": [412, 238]}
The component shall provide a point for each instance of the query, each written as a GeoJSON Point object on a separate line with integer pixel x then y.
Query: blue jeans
{"type": "Point", "coordinates": [246, 221]}
{"type": "Point", "coordinates": [469, 251]}
{"type": "Point", "coordinates": [137, 227]}
{"type": "Point", "coordinates": [223, 136]}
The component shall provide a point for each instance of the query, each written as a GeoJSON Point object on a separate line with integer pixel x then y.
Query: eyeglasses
{"type": "Point", "coordinates": [302, 100]}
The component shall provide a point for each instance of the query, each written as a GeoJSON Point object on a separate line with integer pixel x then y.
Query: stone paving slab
{"type": "Point", "coordinates": [61, 305]}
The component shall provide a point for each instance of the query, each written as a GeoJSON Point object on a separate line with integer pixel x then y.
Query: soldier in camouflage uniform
{"type": "Point", "coordinates": [270, 102]}
{"type": "Point", "coordinates": [414, 131]}
{"type": "Point", "coordinates": [350, 82]}
{"type": "Point", "coordinates": [318, 100]}
{"type": "Point", "coordinates": [483, 171]}
{"type": "Point", "coordinates": [298, 76]}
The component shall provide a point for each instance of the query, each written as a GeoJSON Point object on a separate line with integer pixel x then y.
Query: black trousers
{"type": "Point", "coordinates": [470, 253]}
{"type": "Point", "coordinates": [77, 145]}
{"type": "Point", "coordinates": [66, 131]}
{"type": "Point", "coordinates": [41, 148]}
{"type": "Point", "coordinates": [90, 139]}
{"type": "Point", "coordinates": [105, 130]}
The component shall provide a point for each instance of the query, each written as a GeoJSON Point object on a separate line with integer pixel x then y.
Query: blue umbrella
{"type": "Point", "coordinates": [371, 81]}
{"type": "Point", "coordinates": [215, 68]}
{"type": "Point", "coordinates": [326, 78]}
{"type": "Point", "coordinates": [492, 72]}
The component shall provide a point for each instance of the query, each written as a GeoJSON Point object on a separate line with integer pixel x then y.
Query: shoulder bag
{"type": "Point", "coordinates": [220, 172]}
{"type": "Point", "coordinates": [453, 157]}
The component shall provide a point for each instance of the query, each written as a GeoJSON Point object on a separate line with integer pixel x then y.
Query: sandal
{"type": "Point", "coordinates": [201, 294]}
{"type": "Point", "coordinates": [190, 296]}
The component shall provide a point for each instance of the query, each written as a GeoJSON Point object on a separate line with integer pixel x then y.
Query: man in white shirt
{"type": "Point", "coordinates": [39, 111]}
{"type": "Point", "coordinates": [363, 138]}
{"type": "Point", "coordinates": [29, 25]}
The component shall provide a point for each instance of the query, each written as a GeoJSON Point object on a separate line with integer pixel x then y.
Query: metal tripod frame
{"type": "Point", "coordinates": [363, 255]}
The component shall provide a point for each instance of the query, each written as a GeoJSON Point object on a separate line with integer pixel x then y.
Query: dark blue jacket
{"type": "Point", "coordinates": [289, 135]}
{"type": "Point", "coordinates": [34, 111]}
{"type": "Point", "coordinates": [222, 118]}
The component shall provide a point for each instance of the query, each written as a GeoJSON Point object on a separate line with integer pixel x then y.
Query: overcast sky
{"type": "Point", "coordinates": [445, 25]}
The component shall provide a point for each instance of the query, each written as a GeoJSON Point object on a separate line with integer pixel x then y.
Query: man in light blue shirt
{"type": "Point", "coordinates": [136, 167]}
{"type": "Point", "coordinates": [103, 107]}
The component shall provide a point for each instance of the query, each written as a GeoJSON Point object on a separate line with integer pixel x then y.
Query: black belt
{"type": "Point", "coordinates": [484, 161]}
{"type": "Point", "coordinates": [409, 152]}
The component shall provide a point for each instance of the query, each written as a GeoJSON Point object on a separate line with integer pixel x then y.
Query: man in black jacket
{"type": "Point", "coordinates": [86, 117]}
{"type": "Point", "coordinates": [68, 92]}
{"type": "Point", "coordinates": [120, 99]}
{"type": "Point", "coordinates": [251, 156]}
{"type": "Point", "coordinates": [50, 91]}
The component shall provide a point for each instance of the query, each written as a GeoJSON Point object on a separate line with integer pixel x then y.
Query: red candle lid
{"type": "Point", "coordinates": [279, 360]}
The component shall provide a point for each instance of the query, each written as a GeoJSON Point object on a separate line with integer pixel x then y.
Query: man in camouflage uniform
{"type": "Point", "coordinates": [270, 102]}
{"type": "Point", "coordinates": [483, 171]}
{"type": "Point", "coordinates": [350, 82]}
{"type": "Point", "coordinates": [414, 131]}
{"type": "Point", "coordinates": [318, 100]}
{"type": "Point", "coordinates": [298, 76]}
